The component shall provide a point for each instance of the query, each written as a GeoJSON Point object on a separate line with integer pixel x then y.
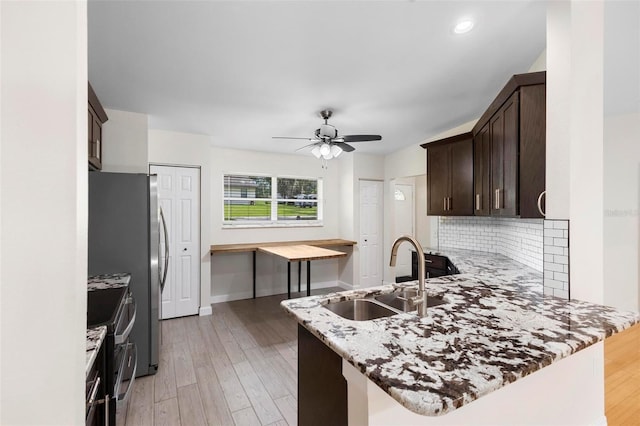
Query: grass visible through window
{"type": "Point", "coordinates": [261, 210]}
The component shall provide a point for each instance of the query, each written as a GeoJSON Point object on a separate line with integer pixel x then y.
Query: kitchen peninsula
{"type": "Point", "coordinates": [496, 328]}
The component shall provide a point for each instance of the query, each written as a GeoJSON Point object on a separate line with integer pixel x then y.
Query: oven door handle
{"type": "Point", "coordinates": [122, 337]}
{"type": "Point", "coordinates": [92, 403]}
{"type": "Point", "coordinates": [130, 357]}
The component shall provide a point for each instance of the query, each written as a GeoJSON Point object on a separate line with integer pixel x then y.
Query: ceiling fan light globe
{"type": "Point", "coordinates": [325, 149]}
{"type": "Point", "coordinates": [327, 156]}
{"type": "Point", "coordinates": [336, 150]}
{"type": "Point", "coordinates": [316, 151]}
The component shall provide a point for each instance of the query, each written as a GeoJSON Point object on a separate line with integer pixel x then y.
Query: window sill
{"type": "Point", "coordinates": [301, 224]}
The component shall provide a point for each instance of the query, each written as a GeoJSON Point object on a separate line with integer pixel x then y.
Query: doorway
{"type": "Point", "coordinates": [403, 224]}
{"type": "Point", "coordinates": [371, 232]}
{"type": "Point", "coordinates": [179, 199]}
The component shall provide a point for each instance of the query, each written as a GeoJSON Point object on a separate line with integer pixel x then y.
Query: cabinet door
{"type": "Point", "coordinates": [97, 140]}
{"type": "Point", "coordinates": [90, 133]}
{"type": "Point", "coordinates": [438, 160]}
{"type": "Point", "coordinates": [532, 149]}
{"type": "Point", "coordinates": [508, 197]}
{"type": "Point", "coordinates": [482, 172]}
{"type": "Point", "coordinates": [461, 194]}
{"type": "Point", "coordinates": [504, 128]}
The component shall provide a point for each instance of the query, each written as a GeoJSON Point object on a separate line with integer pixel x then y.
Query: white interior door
{"type": "Point", "coordinates": [404, 208]}
{"type": "Point", "coordinates": [371, 233]}
{"type": "Point", "coordinates": [179, 198]}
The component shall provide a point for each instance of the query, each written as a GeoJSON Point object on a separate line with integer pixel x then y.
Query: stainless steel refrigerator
{"type": "Point", "coordinates": [124, 236]}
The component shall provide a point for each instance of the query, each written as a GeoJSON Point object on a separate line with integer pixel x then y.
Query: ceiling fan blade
{"type": "Point", "coordinates": [306, 146]}
{"type": "Point", "coordinates": [345, 146]}
{"type": "Point", "coordinates": [360, 138]}
{"type": "Point", "coordinates": [287, 137]}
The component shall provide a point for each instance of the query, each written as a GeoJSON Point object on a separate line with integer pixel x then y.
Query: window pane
{"type": "Point", "coordinates": [247, 186]}
{"type": "Point", "coordinates": [247, 210]}
{"type": "Point", "coordinates": [299, 210]}
{"type": "Point", "coordinates": [289, 188]}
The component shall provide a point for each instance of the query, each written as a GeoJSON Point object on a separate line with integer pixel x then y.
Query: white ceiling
{"type": "Point", "coordinates": [244, 71]}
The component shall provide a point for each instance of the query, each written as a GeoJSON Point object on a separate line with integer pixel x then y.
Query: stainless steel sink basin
{"type": "Point", "coordinates": [360, 309]}
{"type": "Point", "coordinates": [399, 300]}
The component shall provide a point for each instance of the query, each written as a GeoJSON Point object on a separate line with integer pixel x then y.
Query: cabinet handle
{"type": "Point", "coordinates": [444, 200]}
{"type": "Point", "coordinates": [477, 201]}
{"type": "Point", "coordinates": [543, 193]}
{"type": "Point", "coordinates": [497, 199]}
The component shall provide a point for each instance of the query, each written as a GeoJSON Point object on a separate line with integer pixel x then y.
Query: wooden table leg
{"type": "Point", "coordinates": [308, 278]}
{"type": "Point", "coordinates": [254, 274]}
{"type": "Point", "coordinates": [288, 280]}
{"type": "Point", "coordinates": [299, 274]}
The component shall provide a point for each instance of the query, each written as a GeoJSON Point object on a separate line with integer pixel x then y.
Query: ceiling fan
{"type": "Point", "coordinates": [327, 143]}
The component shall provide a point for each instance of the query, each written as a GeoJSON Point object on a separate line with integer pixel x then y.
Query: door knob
{"type": "Point", "coordinates": [184, 249]}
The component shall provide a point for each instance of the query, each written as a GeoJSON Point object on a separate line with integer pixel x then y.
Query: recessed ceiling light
{"type": "Point", "coordinates": [463, 26]}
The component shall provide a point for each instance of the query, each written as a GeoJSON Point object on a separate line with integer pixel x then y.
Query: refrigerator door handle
{"type": "Point", "coordinates": [166, 251]}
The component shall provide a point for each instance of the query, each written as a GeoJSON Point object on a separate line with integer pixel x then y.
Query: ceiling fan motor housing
{"type": "Point", "coordinates": [327, 131]}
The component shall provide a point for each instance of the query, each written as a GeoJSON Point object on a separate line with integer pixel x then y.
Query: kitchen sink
{"type": "Point", "coordinates": [399, 300]}
{"type": "Point", "coordinates": [360, 309]}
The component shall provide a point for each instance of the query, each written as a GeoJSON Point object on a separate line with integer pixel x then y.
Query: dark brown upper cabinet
{"type": "Point", "coordinates": [96, 117]}
{"type": "Point", "coordinates": [509, 150]}
{"type": "Point", "coordinates": [450, 176]}
{"type": "Point", "coordinates": [481, 172]}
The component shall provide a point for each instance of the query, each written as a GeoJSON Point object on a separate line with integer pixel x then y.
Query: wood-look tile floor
{"type": "Point", "coordinates": [235, 367]}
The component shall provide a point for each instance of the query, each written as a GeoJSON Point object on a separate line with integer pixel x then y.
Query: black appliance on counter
{"type": "Point", "coordinates": [116, 309]}
{"type": "Point", "coordinates": [434, 266]}
{"type": "Point", "coordinates": [124, 236]}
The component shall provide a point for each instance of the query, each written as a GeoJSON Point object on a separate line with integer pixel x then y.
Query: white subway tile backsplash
{"type": "Point", "coordinates": [542, 245]}
{"type": "Point", "coordinates": [519, 239]}
{"type": "Point", "coordinates": [560, 224]}
{"type": "Point", "coordinates": [556, 258]}
{"type": "Point", "coordinates": [551, 249]}
{"type": "Point", "coordinates": [561, 242]}
{"type": "Point", "coordinates": [564, 294]}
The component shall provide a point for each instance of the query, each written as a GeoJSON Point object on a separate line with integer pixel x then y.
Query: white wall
{"type": "Point", "coordinates": [232, 273]}
{"type": "Point", "coordinates": [622, 155]}
{"type": "Point", "coordinates": [183, 149]}
{"type": "Point", "coordinates": [540, 64]}
{"type": "Point", "coordinates": [426, 233]}
{"type": "Point", "coordinates": [558, 107]}
{"type": "Point", "coordinates": [43, 194]}
{"type": "Point", "coordinates": [346, 219]}
{"type": "Point", "coordinates": [125, 142]}
{"type": "Point", "coordinates": [585, 119]}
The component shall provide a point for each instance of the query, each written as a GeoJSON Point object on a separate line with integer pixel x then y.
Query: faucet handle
{"type": "Point", "coordinates": [413, 301]}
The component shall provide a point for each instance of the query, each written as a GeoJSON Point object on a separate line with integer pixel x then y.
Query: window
{"type": "Point", "coordinates": [271, 200]}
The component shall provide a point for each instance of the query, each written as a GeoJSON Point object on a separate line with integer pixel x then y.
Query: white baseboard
{"type": "Point", "coordinates": [205, 310]}
{"type": "Point", "coordinates": [271, 292]}
{"type": "Point", "coordinates": [345, 285]}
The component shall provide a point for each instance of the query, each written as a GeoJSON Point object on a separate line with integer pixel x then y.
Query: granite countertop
{"type": "Point", "coordinates": [103, 281]}
{"type": "Point", "coordinates": [95, 337]}
{"type": "Point", "coordinates": [496, 328]}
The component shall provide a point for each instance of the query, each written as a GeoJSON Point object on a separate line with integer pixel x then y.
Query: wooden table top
{"type": "Point", "coordinates": [244, 247]}
{"type": "Point", "coordinates": [303, 252]}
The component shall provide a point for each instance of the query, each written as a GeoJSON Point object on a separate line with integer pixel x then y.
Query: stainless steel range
{"type": "Point", "coordinates": [116, 309]}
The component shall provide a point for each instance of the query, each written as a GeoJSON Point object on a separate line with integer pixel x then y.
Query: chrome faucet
{"type": "Point", "coordinates": [421, 299]}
